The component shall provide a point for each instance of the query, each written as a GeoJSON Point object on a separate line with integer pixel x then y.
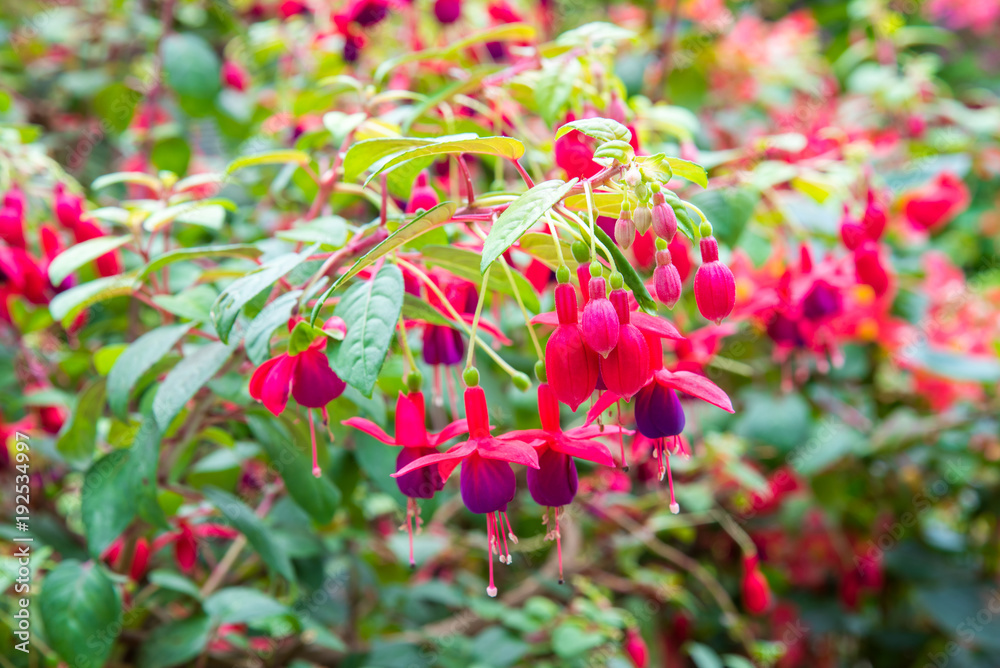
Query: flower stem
{"type": "Point", "coordinates": [475, 318]}
{"type": "Point", "coordinates": [524, 311]}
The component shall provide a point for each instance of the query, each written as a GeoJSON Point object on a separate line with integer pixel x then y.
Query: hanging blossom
{"type": "Point", "coordinates": [412, 437]}
{"type": "Point", "coordinates": [487, 481]}
{"type": "Point", "coordinates": [554, 483]}
{"type": "Point", "coordinates": [306, 376]}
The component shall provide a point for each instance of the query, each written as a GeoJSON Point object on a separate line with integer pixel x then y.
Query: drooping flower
{"type": "Point", "coordinates": [185, 540]}
{"type": "Point", "coordinates": [599, 321]}
{"type": "Point", "coordinates": [666, 279]}
{"type": "Point", "coordinates": [12, 218]}
{"type": "Point", "coordinates": [306, 376]}
{"type": "Point", "coordinates": [447, 11]}
{"type": "Point", "coordinates": [109, 264]}
{"type": "Point", "coordinates": [756, 592]}
{"type": "Point", "coordinates": [487, 482]}
{"type": "Point", "coordinates": [625, 229]}
{"type": "Point", "coordinates": [571, 365]}
{"type": "Point", "coordinates": [636, 648]}
{"type": "Point", "coordinates": [714, 284]}
{"type": "Point", "coordinates": [664, 218]}
{"type": "Point", "coordinates": [869, 268]}
{"type": "Point", "coordinates": [423, 196]}
{"type": "Point", "coordinates": [412, 437]}
{"type": "Point", "coordinates": [554, 483]}
{"type": "Point", "coordinates": [626, 368]}
{"type": "Point", "coordinates": [68, 207]}
{"type": "Point", "coordinates": [936, 203]}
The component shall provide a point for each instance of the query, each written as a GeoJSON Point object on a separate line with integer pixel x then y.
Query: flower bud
{"type": "Point", "coordinates": [570, 365]}
{"type": "Point", "coordinates": [636, 648]}
{"type": "Point", "coordinates": [599, 321]}
{"type": "Point", "coordinates": [643, 219]}
{"type": "Point", "coordinates": [756, 592]}
{"type": "Point", "coordinates": [714, 284]}
{"type": "Point", "coordinates": [624, 229]}
{"type": "Point", "coordinates": [626, 368]}
{"type": "Point", "coordinates": [68, 208]}
{"type": "Point", "coordinates": [664, 218]}
{"type": "Point", "coordinates": [666, 279]}
{"type": "Point", "coordinates": [875, 218]}
{"type": "Point", "coordinates": [868, 268]}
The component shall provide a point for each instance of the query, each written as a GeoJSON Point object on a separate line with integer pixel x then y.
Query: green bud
{"type": "Point", "coordinates": [562, 274]}
{"type": "Point", "coordinates": [661, 244]}
{"type": "Point", "coordinates": [596, 269]}
{"type": "Point", "coordinates": [642, 192]}
{"type": "Point", "coordinates": [706, 229]}
{"type": "Point", "coordinates": [415, 381]}
{"type": "Point", "coordinates": [626, 205]}
{"type": "Point", "coordinates": [655, 186]}
{"type": "Point", "coordinates": [521, 381]}
{"type": "Point", "coordinates": [617, 281]}
{"type": "Point", "coordinates": [581, 253]}
{"type": "Point", "coordinates": [471, 376]}
{"type": "Point", "coordinates": [540, 371]}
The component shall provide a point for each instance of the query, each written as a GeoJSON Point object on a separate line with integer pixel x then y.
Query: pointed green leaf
{"type": "Point", "coordinates": [370, 310]}
{"type": "Point", "coordinates": [465, 264]}
{"type": "Point", "coordinates": [258, 337]}
{"type": "Point", "coordinates": [138, 178]}
{"type": "Point", "coordinates": [77, 256]}
{"type": "Point", "coordinates": [239, 292]}
{"type": "Point", "coordinates": [504, 147]}
{"type": "Point", "coordinates": [65, 306]}
{"type": "Point", "coordinates": [523, 214]}
{"type": "Point", "coordinates": [244, 520]}
{"type": "Point", "coordinates": [689, 170]}
{"type": "Point", "coordinates": [79, 605]}
{"type": "Point", "coordinates": [185, 379]}
{"type": "Point", "coordinates": [415, 308]}
{"type": "Point", "coordinates": [601, 129]}
{"type": "Point", "coordinates": [239, 605]}
{"type": "Point", "coordinates": [143, 463]}
{"type": "Point", "coordinates": [79, 434]}
{"type": "Point", "coordinates": [107, 505]}
{"type": "Point", "coordinates": [176, 642]}
{"type": "Point", "coordinates": [139, 358]}
{"type": "Point", "coordinates": [279, 157]}
{"type": "Point", "coordinates": [197, 253]}
{"type": "Point", "coordinates": [163, 217]}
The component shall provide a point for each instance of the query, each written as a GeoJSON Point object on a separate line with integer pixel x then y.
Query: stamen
{"type": "Point", "coordinates": [658, 448]}
{"type": "Point", "coordinates": [496, 521]}
{"type": "Point", "coordinates": [326, 423]}
{"type": "Point", "coordinates": [621, 436]}
{"type": "Point", "coordinates": [510, 531]}
{"type": "Point", "coordinates": [559, 546]}
{"type": "Point", "coordinates": [410, 504]}
{"type": "Point", "coordinates": [452, 394]}
{"type": "Point", "coordinates": [674, 506]}
{"type": "Point", "coordinates": [312, 435]}
{"type": "Point", "coordinates": [490, 528]}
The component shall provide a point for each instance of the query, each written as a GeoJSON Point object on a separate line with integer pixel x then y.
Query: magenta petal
{"type": "Point", "coordinates": [410, 429]}
{"type": "Point", "coordinates": [456, 428]}
{"type": "Point", "coordinates": [603, 403]}
{"type": "Point", "coordinates": [487, 485]}
{"type": "Point", "coordinates": [260, 374]}
{"type": "Point", "coordinates": [314, 384]}
{"type": "Point", "coordinates": [458, 452]}
{"type": "Point", "coordinates": [550, 318]}
{"type": "Point", "coordinates": [697, 386]}
{"type": "Point", "coordinates": [369, 428]}
{"type": "Point", "coordinates": [590, 450]}
{"type": "Point", "coordinates": [276, 386]}
{"type": "Point", "coordinates": [510, 450]}
{"type": "Point", "coordinates": [655, 325]}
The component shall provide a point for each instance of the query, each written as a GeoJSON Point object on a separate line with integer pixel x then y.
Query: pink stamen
{"type": "Point", "coordinates": [674, 506]}
{"type": "Point", "coordinates": [312, 435]}
{"type": "Point", "coordinates": [503, 560]}
{"type": "Point", "coordinates": [490, 531]}
{"type": "Point", "coordinates": [510, 530]}
{"type": "Point", "coordinates": [326, 423]}
{"type": "Point", "coordinates": [621, 437]}
{"type": "Point", "coordinates": [410, 507]}
{"type": "Point", "coordinates": [559, 546]}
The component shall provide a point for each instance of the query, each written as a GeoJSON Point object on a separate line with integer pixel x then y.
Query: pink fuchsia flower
{"type": "Point", "coordinates": [571, 366]}
{"type": "Point", "coordinates": [575, 154]}
{"type": "Point", "coordinates": [423, 196]}
{"type": "Point", "coordinates": [68, 207]}
{"type": "Point", "coordinates": [756, 592]}
{"type": "Point", "coordinates": [411, 435]}
{"type": "Point", "coordinates": [599, 321]}
{"type": "Point", "coordinates": [447, 11]}
{"type": "Point", "coordinates": [185, 541]}
{"type": "Point", "coordinates": [636, 648]}
{"type": "Point", "coordinates": [12, 218]}
{"type": "Point", "coordinates": [109, 264]}
{"type": "Point", "coordinates": [234, 76]}
{"type": "Point", "coordinates": [664, 218]}
{"type": "Point", "coordinates": [306, 376]}
{"type": "Point", "coordinates": [936, 203]}
{"type": "Point", "coordinates": [714, 284]}
{"type": "Point", "coordinates": [20, 272]}
{"type": "Point", "coordinates": [626, 368]}
{"type": "Point", "coordinates": [487, 482]}
{"type": "Point", "coordinates": [870, 269]}
{"type": "Point", "coordinates": [666, 279]}
{"type": "Point", "coordinates": [554, 483]}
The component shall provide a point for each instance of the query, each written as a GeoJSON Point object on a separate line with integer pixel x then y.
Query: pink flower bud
{"type": "Point", "coordinates": [447, 11]}
{"type": "Point", "coordinates": [234, 76]}
{"type": "Point", "coordinates": [624, 230]}
{"type": "Point", "coordinates": [756, 592]}
{"type": "Point", "coordinates": [666, 279]}
{"type": "Point", "coordinates": [868, 268]}
{"type": "Point", "coordinates": [68, 208]}
{"type": "Point", "coordinates": [643, 219]}
{"type": "Point", "coordinates": [664, 218]}
{"type": "Point", "coordinates": [626, 368]}
{"type": "Point", "coordinates": [714, 284]}
{"type": "Point", "coordinates": [636, 648]}
{"type": "Point", "coordinates": [875, 218]}
{"type": "Point", "coordinates": [599, 321]}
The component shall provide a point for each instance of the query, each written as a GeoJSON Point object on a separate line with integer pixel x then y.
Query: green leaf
{"type": "Point", "coordinates": [364, 154]}
{"type": "Point", "coordinates": [953, 365]}
{"type": "Point", "coordinates": [302, 337]}
{"type": "Point", "coordinates": [278, 157]}
{"type": "Point", "coordinates": [540, 245]}
{"type": "Point", "coordinates": [703, 655]}
{"type": "Point", "coordinates": [107, 506]}
{"type": "Point", "coordinates": [415, 308]}
{"type": "Point", "coordinates": [185, 379]}
{"type": "Point", "coordinates": [370, 310]}
{"type": "Point", "coordinates": [163, 217]}
{"type": "Point", "coordinates": [242, 290]}
{"type": "Point", "coordinates": [79, 434]}
{"type": "Point", "coordinates": [243, 519]}
{"type": "Point", "coordinates": [570, 640]}
{"type": "Point", "coordinates": [728, 209]}
{"type": "Point", "coordinates": [465, 264]}
{"type": "Point", "coordinates": [65, 306]}
{"type": "Point", "coordinates": [691, 171]}
{"type": "Point", "coordinates": [198, 253]}
{"type": "Point", "coordinates": [595, 34]}
{"type": "Point", "coordinates": [138, 178]}
{"type": "Point", "coordinates": [81, 611]}
{"type": "Point", "coordinates": [554, 87]}
{"type": "Point", "coordinates": [523, 214]}
{"type": "Point", "coordinates": [239, 605]}
{"type": "Point", "coordinates": [190, 66]}
{"type": "Point", "coordinates": [139, 358]}
{"type": "Point", "coordinates": [176, 642]}
{"type": "Point", "coordinates": [143, 462]}
{"type": "Point", "coordinates": [601, 129]}
{"type": "Point", "coordinates": [317, 496]}
{"type": "Point", "coordinates": [340, 124]}
{"type": "Point", "coordinates": [257, 341]}
{"type": "Point", "coordinates": [422, 224]}
{"type": "Point", "coordinates": [504, 147]}
{"type": "Point", "coordinates": [625, 268]}
{"type": "Point", "coordinates": [176, 582]}
{"type": "Point", "coordinates": [76, 256]}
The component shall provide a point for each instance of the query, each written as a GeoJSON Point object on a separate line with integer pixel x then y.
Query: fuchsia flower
{"type": "Point", "coordinates": [411, 436]}
{"type": "Point", "coordinates": [109, 264]}
{"type": "Point", "coordinates": [599, 321]}
{"type": "Point", "coordinates": [306, 376]}
{"type": "Point", "coordinates": [575, 155]}
{"type": "Point", "coordinates": [185, 541]}
{"type": "Point", "coordinates": [68, 208]}
{"type": "Point", "coordinates": [487, 482]}
{"type": "Point", "coordinates": [937, 203]}
{"type": "Point", "coordinates": [12, 218]}
{"type": "Point", "coordinates": [666, 279]}
{"type": "Point", "coordinates": [626, 368]}
{"type": "Point", "coordinates": [554, 483]}
{"type": "Point", "coordinates": [636, 648]}
{"type": "Point", "coordinates": [423, 196]}
{"type": "Point", "coordinates": [572, 367]}
{"type": "Point", "coordinates": [234, 76]}
{"type": "Point", "coordinates": [447, 11]}
{"type": "Point", "coordinates": [714, 284]}
{"type": "Point", "coordinates": [756, 592]}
